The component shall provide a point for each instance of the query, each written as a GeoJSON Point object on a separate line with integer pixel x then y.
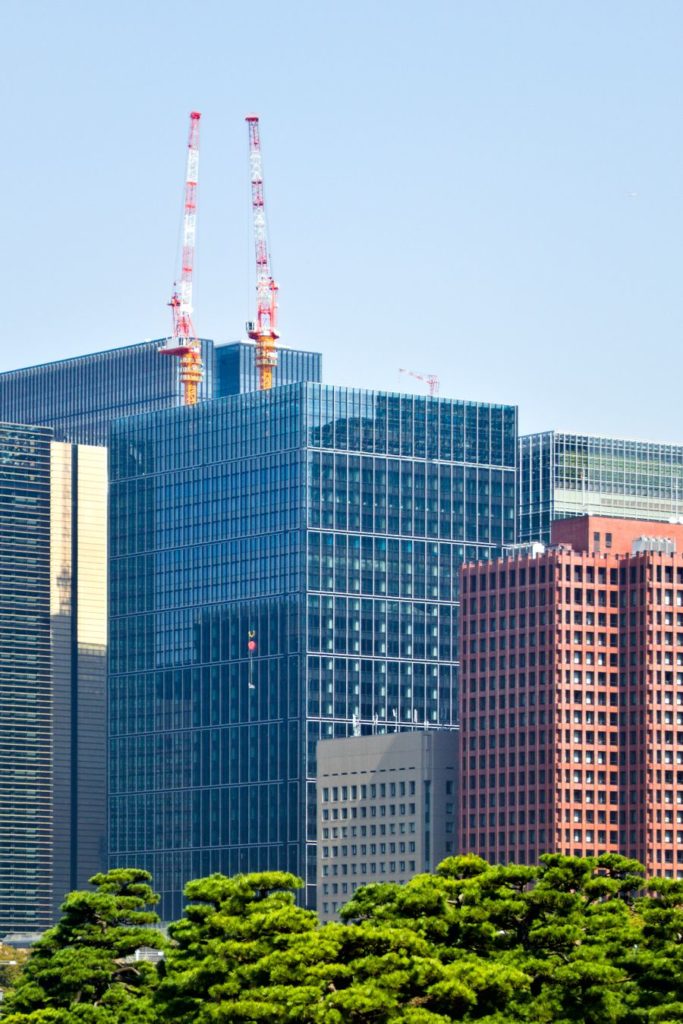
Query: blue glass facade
{"type": "Point", "coordinates": [331, 522]}
{"type": "Point", "coordinates": [563, 475]}
{"type": "Point", "coordinates": [26, 862]}
{"type": "Point", "coordinates": [78, 398]}
{"type": "Point", "coordinates": [235, 368]}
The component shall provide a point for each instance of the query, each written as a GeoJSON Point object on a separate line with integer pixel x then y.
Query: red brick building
{"type": "Point", "coordinates": [571, 701]}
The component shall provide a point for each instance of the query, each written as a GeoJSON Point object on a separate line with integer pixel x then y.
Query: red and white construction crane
{"type": "Point", "coordinates": [430, 379]}
{"type": "Point", "coordinates": [184, 342]}
{"type": "Point", "coordinates": [264, 329]}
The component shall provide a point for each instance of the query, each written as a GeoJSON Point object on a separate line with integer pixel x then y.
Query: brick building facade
{"type": "Point", "coordinates": [572, 696]}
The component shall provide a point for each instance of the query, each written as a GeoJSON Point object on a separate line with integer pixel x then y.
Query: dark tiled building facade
{"type": "Point", "coordinates": [80, 397]}
{"type": "Point", "coordinates": [25, 680]}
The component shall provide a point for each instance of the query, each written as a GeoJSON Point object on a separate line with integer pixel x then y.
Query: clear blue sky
{"type": "Point", "coordinates": [490, 191]}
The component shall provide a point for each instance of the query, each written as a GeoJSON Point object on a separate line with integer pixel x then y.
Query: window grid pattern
{"type": "Point", "coordinates": [236, 368]}
{"type": "Point", "coordinates": [222, 518]}
{"type": "Point", "coordinates": [564, 475]}
{"type": "Point", "coordinates": [572, 707]}
{"type": "Point", "coordinates": [80, 397]}
{"type": "Point", "coordinates": [26, 869]}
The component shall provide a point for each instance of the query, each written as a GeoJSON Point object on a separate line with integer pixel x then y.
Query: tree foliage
{"type": "Point", "coordinates": [11, 961]}
{"type": "Point", "coordinates": [572, 941]}
{"type": "Point", "coordinates": [80, 970]}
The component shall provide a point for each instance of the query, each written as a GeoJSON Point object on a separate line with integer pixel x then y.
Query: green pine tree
{"type": "Point", "coordinates": [80, 970]}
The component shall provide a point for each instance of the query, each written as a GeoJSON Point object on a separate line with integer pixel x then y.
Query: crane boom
{"type": "Point", "coordinates": [184, 342]}
{"type": "Point", "coordinates": [430, 379]}
{"type": "Point", "coordinates": [264, 330]}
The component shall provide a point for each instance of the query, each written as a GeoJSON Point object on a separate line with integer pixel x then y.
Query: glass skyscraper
{"type": "Point", "coordinates": [53, 594]}
{"type": "Point", "coordinates": [235, 368]}
{"type": "Point", "coordinates": [80, 397]}
{"type": "Point", "coordinates": [324, 525]}
{"type": "Point", "coordinates": [564, 475]}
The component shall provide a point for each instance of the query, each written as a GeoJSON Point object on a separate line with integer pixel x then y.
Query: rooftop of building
{"type": "Point", "coordinates": [408, 740]}
{"type": "Point", "coordinates": [328, 386]}
{"type": "Point", "coordinates": [146, 343]}
{"type": "Point", "coordinates": [247, 342]}
{"type": "Point", "coordinates": [27, 428]}
{"type": "Point", "coordinates": [578, 435]}
{"type": "Point", "coordinates": [599, 537]}
{"type": "Point", "coordinates": [589, 534]}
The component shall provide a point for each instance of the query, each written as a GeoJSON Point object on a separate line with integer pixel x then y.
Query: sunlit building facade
{"type": "Point", "coordinates": [326, 525]}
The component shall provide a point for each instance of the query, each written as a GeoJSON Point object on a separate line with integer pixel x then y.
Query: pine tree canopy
{"type": "Point", "coordinates": [571, 941]}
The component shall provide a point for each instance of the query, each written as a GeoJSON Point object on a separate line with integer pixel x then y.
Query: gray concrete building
{"type": "Point", "coordinates": [387, 810]}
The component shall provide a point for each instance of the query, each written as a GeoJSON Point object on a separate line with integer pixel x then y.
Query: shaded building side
{"type": "Point", "coordinates": [26, 779]}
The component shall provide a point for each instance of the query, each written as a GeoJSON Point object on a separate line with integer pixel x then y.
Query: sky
{"type": "Point", "coordinates": [484, 190]}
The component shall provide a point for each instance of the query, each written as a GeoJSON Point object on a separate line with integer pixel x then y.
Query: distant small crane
{"type": "Point", "coordinates": [430, 379]}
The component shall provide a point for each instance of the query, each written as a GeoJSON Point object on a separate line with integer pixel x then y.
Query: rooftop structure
{"type": "Point", "coordinates": [79, 397]}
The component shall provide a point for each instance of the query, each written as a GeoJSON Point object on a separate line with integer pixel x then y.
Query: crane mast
{"type": "Point", "coordinates": [264, 330]}
{"type": "Point", "coordinates": [184, 343]}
